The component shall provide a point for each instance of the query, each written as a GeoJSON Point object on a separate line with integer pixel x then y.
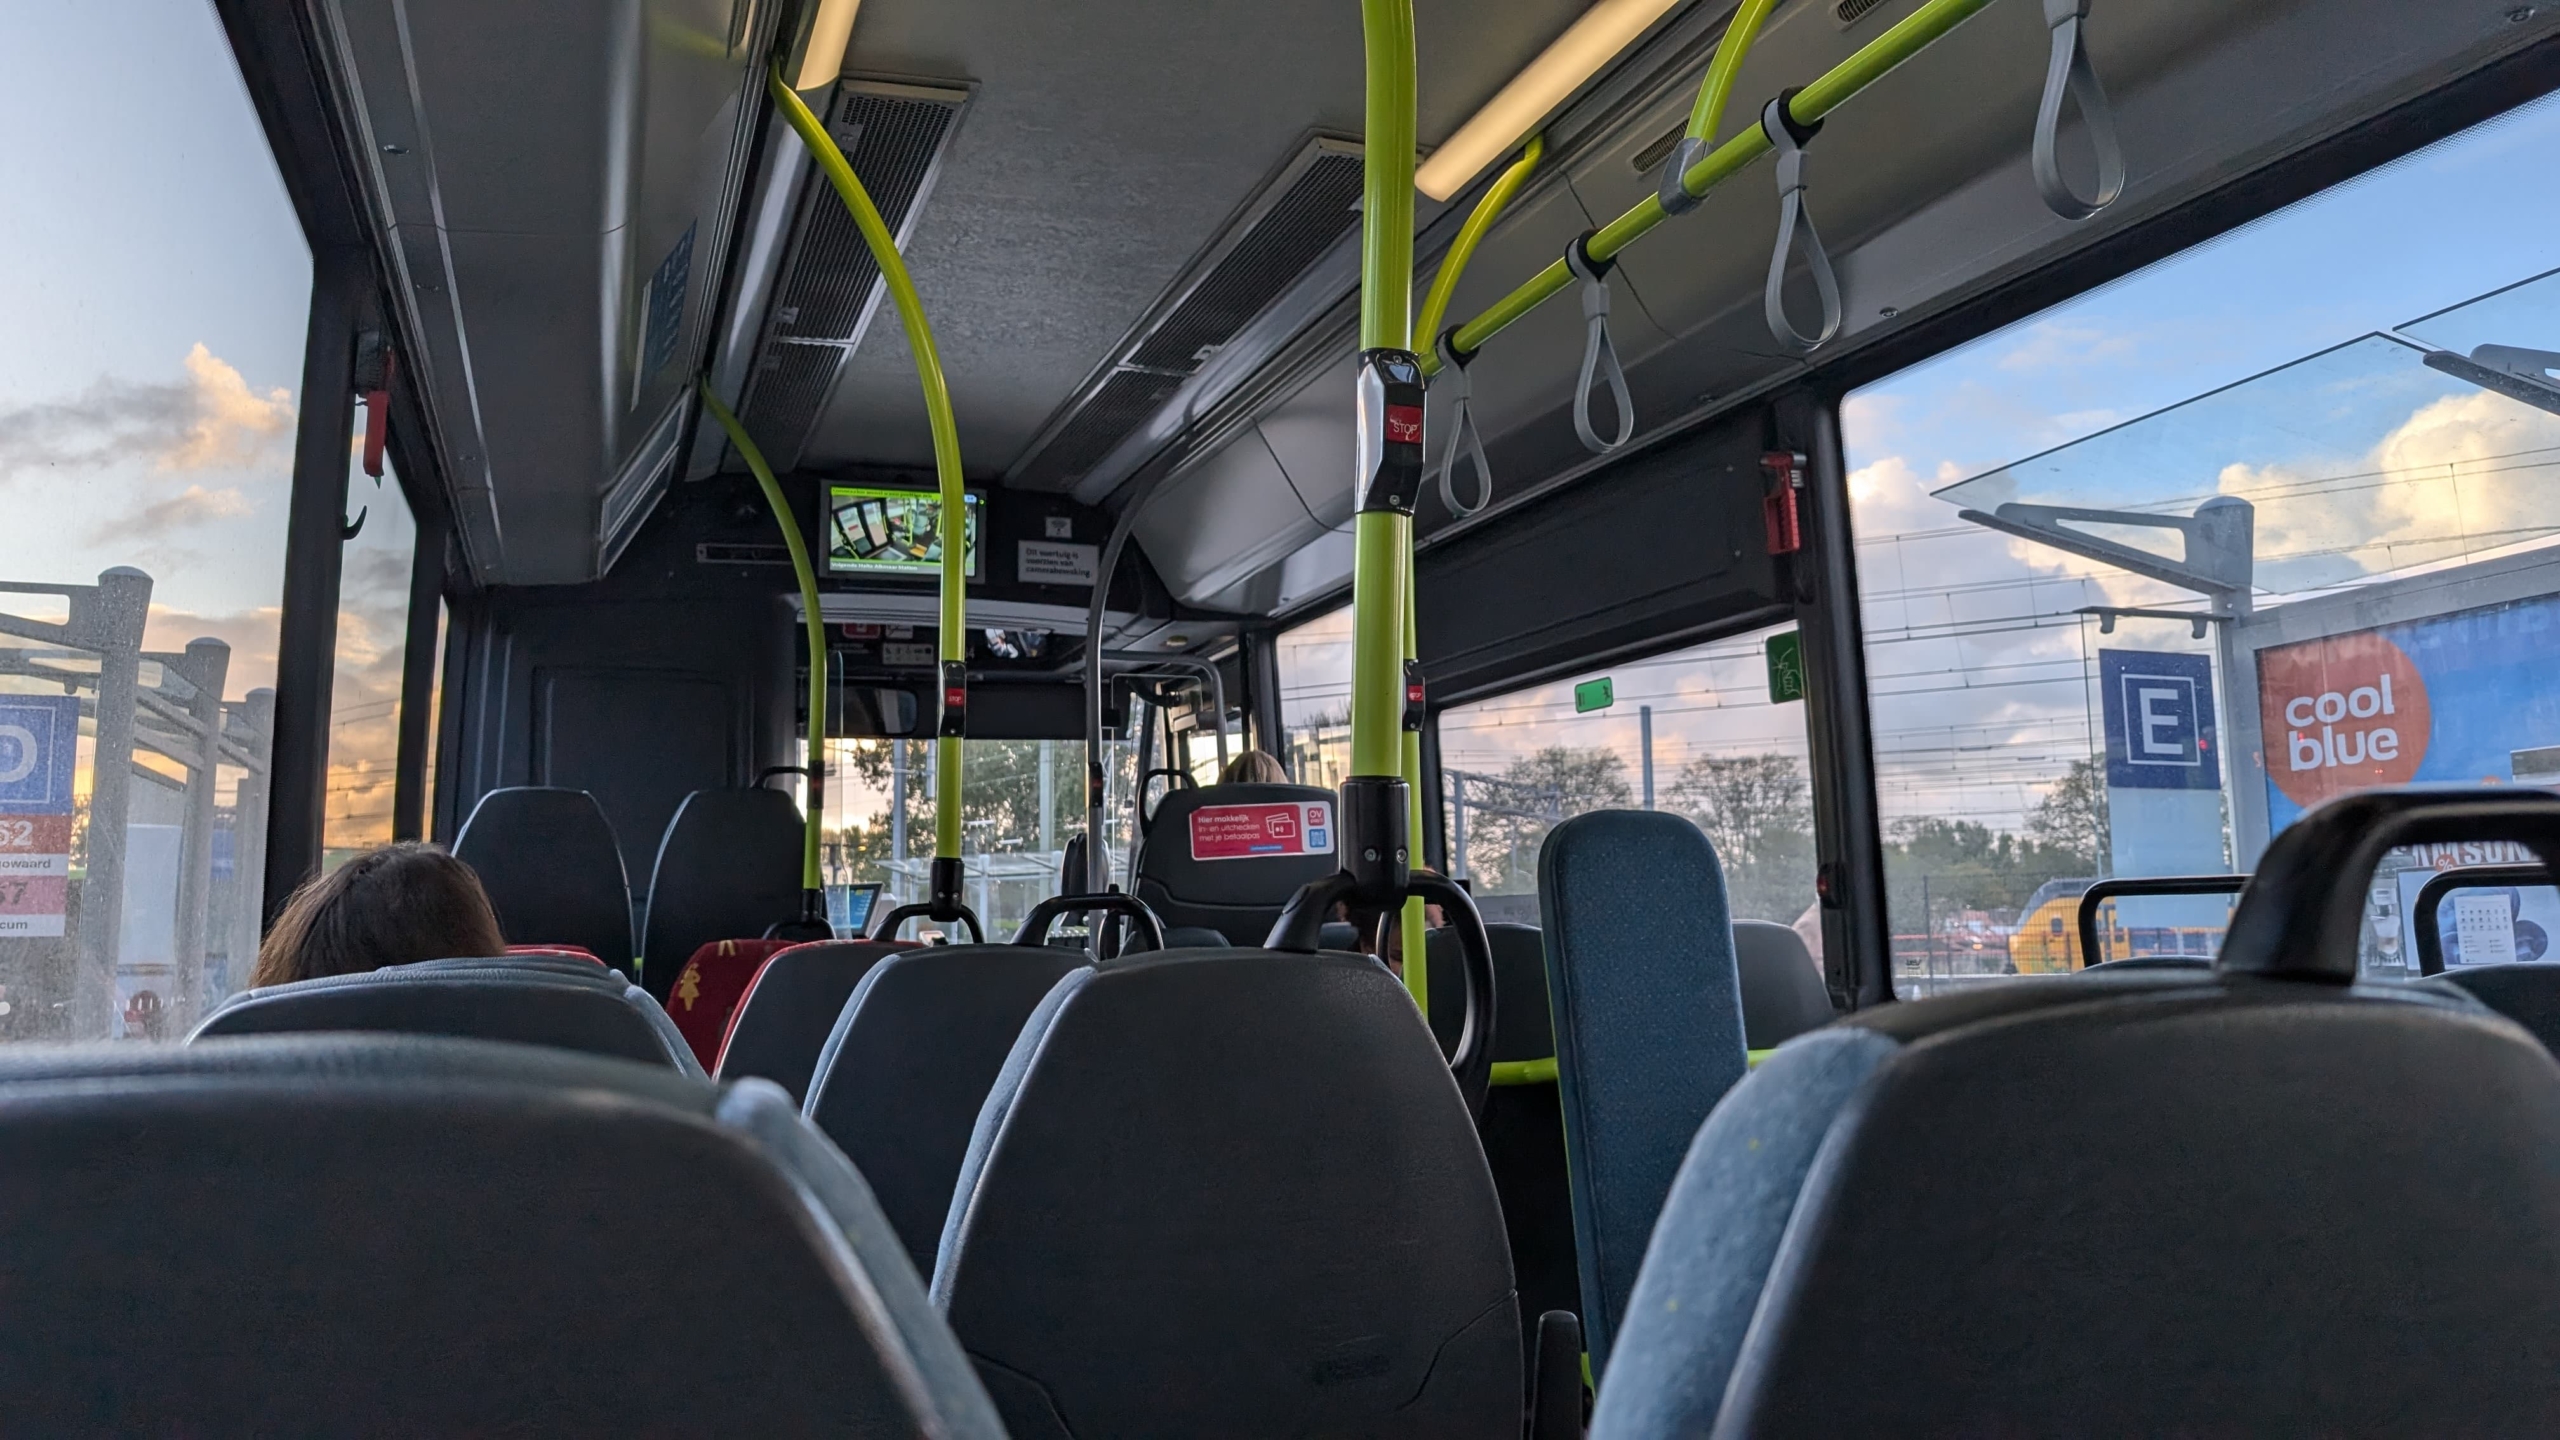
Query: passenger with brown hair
{"type": "Point", "coordinates": [1254, 767]}
{"type": "Point", "coordinates": [388, 906]}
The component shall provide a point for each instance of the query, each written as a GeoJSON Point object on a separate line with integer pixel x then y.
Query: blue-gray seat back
{"type": "Point", "coordinates": [728, 868]}
{"type": "Point", "coordinates": [909, 1060]}
{"type": "Point", "coordinates": [1783, 994]}
{"type": "Point", "coordinates": [1647, 1008]}
{"type": "Point", "coordinates": [791, 1007]}
{"type": "Point", "coordinates": [1205, 883]}
{"type": "Point", "coordinates": [2260, 1211]}
{"type": "Point", "coordinates": [553, 870]}
{"type": "Point", "coordinates": [612, 1017]}
{"type": "Point", "coordinates": [1232, 1192]}
{"type": "Point", "coordinates": [406, 1236]}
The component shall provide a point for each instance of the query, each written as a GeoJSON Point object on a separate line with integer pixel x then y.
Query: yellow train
{"type": "Point", "coordinates": [2047, 940]}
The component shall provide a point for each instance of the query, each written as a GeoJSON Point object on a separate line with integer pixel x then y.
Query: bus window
{"type": "Point", "coordinates": [2150, 573]}
{"type": "Point", "coordinates": [1021, 801]}
{"type": "Point", "coordinates": [364, 693]}
{"type": "Point", "coordinates": [1315, 698]}
{"type": "Point", "coordinates": [148, 393]}
{"type": "Point", "coordinates": [1693, 732]}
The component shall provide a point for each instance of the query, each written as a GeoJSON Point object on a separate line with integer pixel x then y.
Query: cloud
{"type": "Point", "coordinates": [211, 419]}
{"type": "Point", "coordinates": [185, 510]}
{"type": "Point", "coordinates": [2054, 345]}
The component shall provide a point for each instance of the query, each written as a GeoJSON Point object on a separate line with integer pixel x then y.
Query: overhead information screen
{"type": "Point", "coordinates": [878, 531]}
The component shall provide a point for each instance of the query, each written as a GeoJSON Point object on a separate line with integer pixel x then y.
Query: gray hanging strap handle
{"type": "Point", "coordinates": [1599, 356]}
{"type": "Point", "coordinates": [1464, 441]}
{"type": "Point", "coordinates": [1787, 137]}
{"type": "Point", "coordinates": [2069, 69]}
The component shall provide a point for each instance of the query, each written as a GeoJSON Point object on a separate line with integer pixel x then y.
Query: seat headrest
{"type": "Point", "coordinates": [782, 1022]}
{"type": "Point", "coordinates": [728, 868]}
{"type": "Point", "coordinates": [1230, 856]}
{"type": "Point", "coordinates": [553, 869]}
{"type": "Point", "coordinates": [508, 1002]}
{"type": "Point", "coordinates": [2253, 1216]}
{"type": "Point", "coordinates": [215, 1229]}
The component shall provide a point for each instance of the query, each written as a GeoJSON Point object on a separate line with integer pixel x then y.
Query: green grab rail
{"type": "Point", "coordinates": [811, 877]}
{"type": "Point", "coordinates": [1915, 33]}
{"type": "Point", "coordinates": [946, 433]}
{"type": "Point", "coordinates": [1444, 284]}
{"type": "Point", "coordinates": [1542, 1071]}
{"type": "Point", "coordinates": [1707, 116]}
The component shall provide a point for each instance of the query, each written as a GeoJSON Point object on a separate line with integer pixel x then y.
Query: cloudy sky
{"type": "Point", "coordinates": [155, 284]}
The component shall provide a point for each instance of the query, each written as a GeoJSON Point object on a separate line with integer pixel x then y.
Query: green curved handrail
{"type": "Point", "coordinates": [810, 876]}
{"type": "Point", "coordinates": [1915, 33]}
{"type": "Point", "coordinates": [946, 431]}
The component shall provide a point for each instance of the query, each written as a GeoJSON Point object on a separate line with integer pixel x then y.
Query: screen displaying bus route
{"type": "Point", "coordinates": [874, 531]}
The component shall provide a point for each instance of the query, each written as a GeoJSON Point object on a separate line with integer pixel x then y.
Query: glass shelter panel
{"type": "Point", "coordinates": [2319, 556]}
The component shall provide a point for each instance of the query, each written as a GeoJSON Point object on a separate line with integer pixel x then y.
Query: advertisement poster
{"type": "Point", "coordinates": [2467, 698]}
{"type": "Point", "coordinates": [39, 753]}
{"type": "Point", "coordinates": [1254, 832]}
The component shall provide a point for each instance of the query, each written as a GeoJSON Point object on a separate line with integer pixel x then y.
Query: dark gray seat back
{"type": "Point", "coordinates": [1647, 1007]}
{"type": "Point", "coordinates": [1239, 896]}
{"type": "Point", "coordinates": [1522, 1125]}
{"type": "Point", "coordinates": [728, 868]}
{"type": "Point", "coordinates": [791, 1007]}
{"type": "Point", "coordinates": [908, 1062]}
{"type": "Point", "coordinates": [2527, 992]}
{"type": "Point", "coordinates": [553, 870]}
{"type": "Point", "coordinates": [416, 1237]}
{"type": "Point", "coordinates": [613, 1017]}
{"type": "Point", "coordinates": [1236, 1193]}
{"type": "Point", "coordinates": [1782, 991]}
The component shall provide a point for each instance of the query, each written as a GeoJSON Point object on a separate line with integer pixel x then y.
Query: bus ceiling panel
{"type": "Point", "coordinates": [1223, 518]}
{"type": "Point", "coordinates": [555, 188]}
{"type": "Point", "coordinates": [1316, 569]}
{"type": "Point", "coordinates": [1664, 546]}
{"type": "Point", "coordinates": [2302, 75]}
{"type": "Point", "coordinates": [894, 134]}
{"type": "Point", "coordinates": [1108, 148]}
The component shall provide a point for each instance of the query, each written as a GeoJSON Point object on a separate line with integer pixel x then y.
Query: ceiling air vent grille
{"type": "Point", "coordinates": [1850, 12]}
{"type": "Point", "coordinates": [894, 135]}
{"type": "Point", "coordinates": [1298, 215]}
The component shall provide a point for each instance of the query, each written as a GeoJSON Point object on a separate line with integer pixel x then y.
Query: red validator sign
{"type": "Point", "coordinates": [1256, 832]}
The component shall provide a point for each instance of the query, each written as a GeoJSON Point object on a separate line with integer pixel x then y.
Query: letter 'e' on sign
{"type": "Point", "coordinates": [2160, 720]}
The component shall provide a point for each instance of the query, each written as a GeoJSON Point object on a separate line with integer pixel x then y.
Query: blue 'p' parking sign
{"type": "Point", "coordinates": [2159, 710]}
{"type": "Point", "coordinates": [39, 750]}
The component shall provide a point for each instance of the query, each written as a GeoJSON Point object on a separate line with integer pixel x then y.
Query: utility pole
{"type": "Point", "coordinates": [1644, 729]}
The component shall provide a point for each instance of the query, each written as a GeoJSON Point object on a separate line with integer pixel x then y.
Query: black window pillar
{"type": "Point", "coordinates": [1857, 947]}
{"type": "Point", "coordinates": [307, 643]}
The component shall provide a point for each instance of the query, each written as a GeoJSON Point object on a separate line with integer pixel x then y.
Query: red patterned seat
{"type": "Point", "coordinates": [707, 991]}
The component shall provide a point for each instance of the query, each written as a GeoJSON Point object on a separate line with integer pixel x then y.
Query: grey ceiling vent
{"type": "Point", "coordinates": [1850, 12]}
{"type": "Point", "coordinates": [1301, 212]}
{"type": "Point", "coordinates": [894, 134]}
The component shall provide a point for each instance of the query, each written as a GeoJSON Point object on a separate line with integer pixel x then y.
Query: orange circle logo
{"type": "Point", "coordinates": [2340, 714]}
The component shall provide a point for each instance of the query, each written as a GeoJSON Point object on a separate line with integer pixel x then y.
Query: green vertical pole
{"type": "Point", "coordinates": [1383, 539]}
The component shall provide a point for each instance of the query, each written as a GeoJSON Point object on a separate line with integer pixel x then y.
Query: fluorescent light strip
{"type": "Point", "coordinates": [1600, 36]}
{"type": "Point", "coordinates": [829, 34]}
